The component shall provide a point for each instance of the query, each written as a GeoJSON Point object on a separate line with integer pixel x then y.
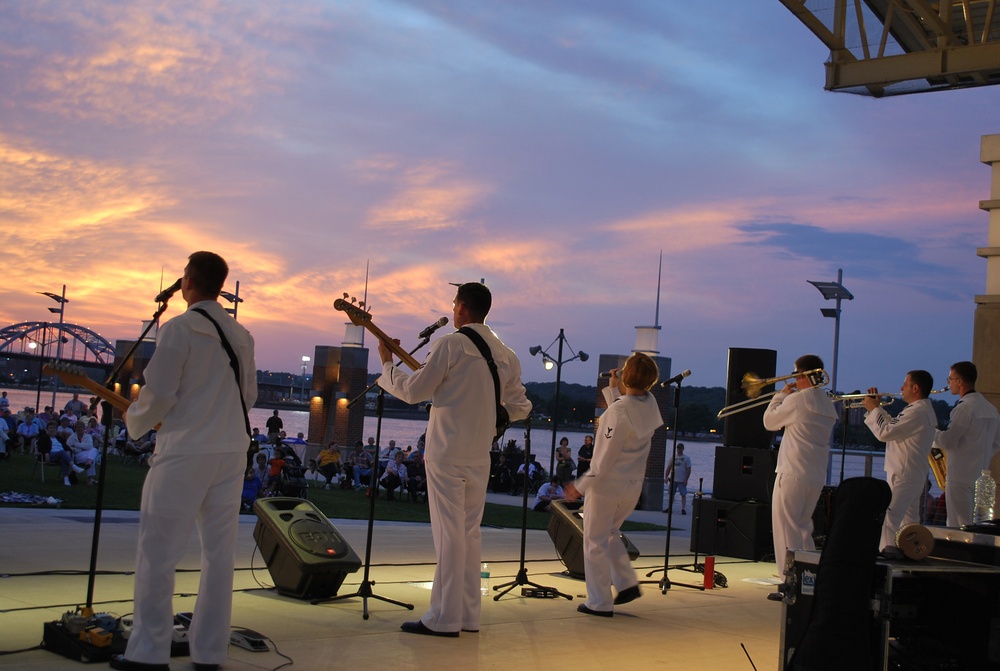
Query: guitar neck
{"type": "Point", "coordinates": [78, 379]}
{"type": "Point", "coordinates": [404, 356]}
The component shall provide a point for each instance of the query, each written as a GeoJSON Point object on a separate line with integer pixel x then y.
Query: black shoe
{"type": "Point", "coordinates": [684, 512]}
{"type": "Point", "coordinates": [198, 666]}
{"type": "Point", "coordinates": [119, 662]}
{"type": "Point", "coordinates": [418, 627]}
{"type": "Point", "coordinates": [470, 631]}
{"type": "Point", "coordinates": [582, 608]}
{"type": "Point", "coordinates": [776, 596]}
{"type": "Point", "coordinates": [628, 594]}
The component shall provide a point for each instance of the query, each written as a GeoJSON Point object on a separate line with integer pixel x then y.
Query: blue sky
{"type": "Point", "coordinates": [552, 148]}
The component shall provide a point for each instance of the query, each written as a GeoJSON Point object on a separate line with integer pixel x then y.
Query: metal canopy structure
{"type": "Point", "coordinates": [13, 339]}
{"type": "Point", "coordinates": [894, 47]}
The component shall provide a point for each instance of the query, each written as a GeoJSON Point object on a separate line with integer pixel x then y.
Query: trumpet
{"type": "Point", "coordinates": [857, 400]}
{"type": "Point", "coordinates": [752, 385]}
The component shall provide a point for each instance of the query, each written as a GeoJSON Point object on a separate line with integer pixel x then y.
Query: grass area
{"type": "Point", "coordinates": [124, 488]}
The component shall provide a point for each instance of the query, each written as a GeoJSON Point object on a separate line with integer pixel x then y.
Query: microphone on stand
{"type": "Point", "coordinates": [676, 378]}
{"type": "Point", "coordinates": [165, 295]}
{"type": "Point", "coordinates": [426, 333]}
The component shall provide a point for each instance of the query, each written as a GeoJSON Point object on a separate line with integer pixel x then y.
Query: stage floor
{"type": "Point", "coordinates": [682, 629]}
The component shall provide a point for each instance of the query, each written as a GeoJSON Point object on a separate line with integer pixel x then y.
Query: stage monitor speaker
{"type": "Point", "coordinates": [746, 429]}
{"type": "Point", "coordinates": [305, 554]}
{"type": "Point", "coordinates": [566, 532]}
{"type": "Point", "coordinates": [732, 529]}
{"type": "Point", "coordinates": [744, 474]}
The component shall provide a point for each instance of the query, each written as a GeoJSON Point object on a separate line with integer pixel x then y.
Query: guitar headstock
{"type": "Point", "coordinates": [355, 311]}
{"type": "Point", "coordinates": [67, 372]}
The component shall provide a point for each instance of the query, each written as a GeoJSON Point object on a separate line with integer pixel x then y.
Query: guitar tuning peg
{"type": "Point", "coordinates": [345, 295]}
{"type": "Point", "coordinates": [361, 305]}
{"type": "Point", "coordinates": [354, 300]}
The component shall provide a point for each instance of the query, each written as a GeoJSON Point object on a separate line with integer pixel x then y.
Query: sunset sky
{"type": "Point", "coordinates": [553, 148]}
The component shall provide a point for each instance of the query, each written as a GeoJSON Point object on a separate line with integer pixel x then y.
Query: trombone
{"type": "Point", "coordinates": [753, 384]}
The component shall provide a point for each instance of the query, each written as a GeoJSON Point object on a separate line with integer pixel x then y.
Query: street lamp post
{"type": "Point", "coordinates": [556, 363]}
{"type": "Point", "coordinates": [61, 300]}
{"type": "Point", "coordinates": [302, 390]}
{"type": "Point", "coordinates": [835, 291]}
{"type": "Point", "coordinates": [233, 298]}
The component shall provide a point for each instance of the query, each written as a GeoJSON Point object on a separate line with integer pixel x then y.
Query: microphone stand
{"type": "Point", "coordinates": [53, 637]}
{"type": "Point", "coordinates": [522, 573]}
{"type": "Point", "coordinates": [665, 582]}
{"type": "Point", "coordinates": [365, 588]}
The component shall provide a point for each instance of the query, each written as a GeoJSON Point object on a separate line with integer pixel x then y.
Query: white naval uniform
{"type": "Point", "coordinates": [969, 442]}
{"type": "Point", "coordinates": [612, 487]}
{"type": "Point", "coordinates": [460, 431]}
{"type": "Point", "coordinates": [195, 478]}
{"type": "Point", "coordinates": [808, 417]}
{"type": "Point", "coordinates": [907, 437]}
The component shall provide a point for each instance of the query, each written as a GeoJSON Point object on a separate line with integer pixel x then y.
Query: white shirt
{"type": "Point", "coordinates": [907, 436]}
{"type": "Point", "coordinates": [808, 417]}
{"type": "Point", "coordinates": [190, 387]}
{"type": "Point", "coordinates": [623, 440]}
{"type": "Point", "coordinates": [971, 439]}
{"type": "Point", "coordinates": [457, 381]}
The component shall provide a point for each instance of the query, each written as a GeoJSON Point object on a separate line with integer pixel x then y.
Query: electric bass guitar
{"type": "Point", "coordinates": [74, 376]}
{"type": "Point", "coordinates": [360, 317]}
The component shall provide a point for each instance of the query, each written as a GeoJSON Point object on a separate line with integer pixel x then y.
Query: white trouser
{"type": "Point", "coordinates": [182, 491]}
{"type": "Point", "coordinates": [792, 506]}
{"type": "Point", "coordinates": [91, 455]}
{"type": "Point", "coordinates": [605, 558]}
{"type": "Point", "coordinates": [456, 496]}
{"type": "Point", "coordinates": [904, 508]}
{"type": "Point", "coordinates": [959, 498]}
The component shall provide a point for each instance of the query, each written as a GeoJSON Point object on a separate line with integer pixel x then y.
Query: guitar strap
{"type": "Point", "coordinates": [234, 363]}
{"type": "Point", "coordinates": [484, 349]}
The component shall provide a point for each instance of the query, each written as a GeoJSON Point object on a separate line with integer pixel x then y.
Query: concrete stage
{"type": "Point", "coordinates": [683, 629]}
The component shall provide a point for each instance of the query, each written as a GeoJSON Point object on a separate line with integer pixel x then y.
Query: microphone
{"type": "Point", "coordinates": [676, 378]}
{"type": "Point", "coordinates": [426, 333]}
{"type": "Point", "coordinates": [165, 295]}
{"type": "Point", "coordinates": [604, 376]}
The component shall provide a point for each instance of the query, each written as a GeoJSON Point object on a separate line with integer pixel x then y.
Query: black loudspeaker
{"type": "Point", "coordinates": [305, 554]}
{"type": "Point", "coordinates": [732, 529]}
{"type": "Point", "coordinates": [746, 429]}
{"type": "Point", "coordinates": [744, 474]}
{"type": "Point", "coordinates": [566, 532]}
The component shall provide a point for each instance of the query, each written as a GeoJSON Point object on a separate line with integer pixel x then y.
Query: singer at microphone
{"type": "Point", "coordinates": [426, 333]}
{"type": "Point", "coordinates": [165, 295]}
{"type": "Point", "coordinates": [676, 378]}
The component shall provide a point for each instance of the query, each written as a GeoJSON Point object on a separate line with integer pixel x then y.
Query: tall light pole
{"type": "Point", "coordinates": [835, 291]}
{"type": "Point", "coordinates": [556, 363]}
{"type": "Point", "coordinates": [61, 300]}
{"type": "Point", "coordinates": [302, 391]}
{"type": "Point", "coordinates": [233, 298]}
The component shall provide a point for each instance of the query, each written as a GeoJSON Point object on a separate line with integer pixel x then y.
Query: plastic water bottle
{"type": "Point", "coordinates": [986, 491]}
{"type": "Point", "coordinates": [484, 579]}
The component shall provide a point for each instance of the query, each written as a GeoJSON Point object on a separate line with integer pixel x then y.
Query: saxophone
{"type": "Point", "coordinates": [939, 466]}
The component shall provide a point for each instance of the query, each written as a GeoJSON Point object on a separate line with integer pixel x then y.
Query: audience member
{"type": "Point", "coordinates": [395, 475]}
{"type": "Point", "coordinates": [328, 462]}
{"type": "Point", "coordinates": [251, 490]}
{"type": "Point", "coordinates": [52, 450]}
{"type": "Point", "coordinates": [81, 446]}
{"type": "Point", "coordinates": [361, 463]}
{"type": "Point", "coordinates": [547, 493]}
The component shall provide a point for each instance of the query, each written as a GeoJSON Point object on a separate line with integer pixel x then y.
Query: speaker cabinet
{"type": "Point", "coordinates": [732, 529]}
{"type": "Point", "coordinates": [746, 429]}
{"type": "Point", "coordinates": [744, 474]}
{"type": "Point", "coordinates": [305, 554]}
{"type": "Point", "coordinates": [566, 531]}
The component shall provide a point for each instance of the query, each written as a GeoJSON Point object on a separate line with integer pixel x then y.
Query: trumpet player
{"type": "Point", "coordinates": [907, 437]}
{"type": "Point", "coordinates": [808, 416]}
{"type": "Point", "coordinates": [969, 442]}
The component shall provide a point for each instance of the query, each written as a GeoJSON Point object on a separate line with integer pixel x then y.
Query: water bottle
{"type": "Point", "coordinates": [986, 491]}
{"type": "Point", "coordinates": [484, 579]}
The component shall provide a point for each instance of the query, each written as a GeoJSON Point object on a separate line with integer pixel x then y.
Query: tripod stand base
{"type": "Point", "coordinates": [532, 590]}
{"type": "Point", "coordinates": [365, 592]}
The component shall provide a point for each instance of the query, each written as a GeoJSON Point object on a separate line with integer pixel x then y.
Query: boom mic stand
{"type": "Point", "coordinates": [522, 573]}
{"type": "Point", "coordinates": [665, 582]}
{"type": "Point", "coordinates": [365, 588]}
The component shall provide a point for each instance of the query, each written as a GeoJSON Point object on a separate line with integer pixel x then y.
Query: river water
{"type": "Point", "coordinates": [406, 432]}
